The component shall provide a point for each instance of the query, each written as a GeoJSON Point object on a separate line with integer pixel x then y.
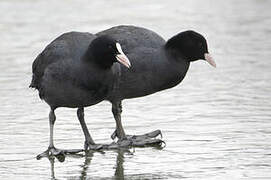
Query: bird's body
{"type": "Point", "coordinates": [150, 63]}
{"type": "Point", "coordinates": [77, 69]}
{"type": "Point", "coordinates": [67, 79]}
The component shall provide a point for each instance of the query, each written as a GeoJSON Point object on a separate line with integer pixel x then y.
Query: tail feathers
{"type": "Point", "coordinates": [37, 86]}
{"type": "Point", "coordinates": [34, 83]}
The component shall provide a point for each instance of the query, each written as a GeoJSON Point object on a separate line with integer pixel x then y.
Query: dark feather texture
{"type": "Point", "coordinates": [69, 74]}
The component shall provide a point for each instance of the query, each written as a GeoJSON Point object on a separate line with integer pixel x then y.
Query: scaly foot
{"type": "Point", "coordinates": [52, 151]}
{"type": "Point", "coordinates": [91, 146]}
{"type": "Point", "coordinates": [148, 139]}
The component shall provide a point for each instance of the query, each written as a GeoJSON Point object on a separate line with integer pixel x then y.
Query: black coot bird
{"type": "Point", "coordinates": [78, 69]}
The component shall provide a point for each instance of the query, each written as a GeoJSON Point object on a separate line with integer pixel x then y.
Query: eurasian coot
{"type": "Point", "coordinates": [78, 69]}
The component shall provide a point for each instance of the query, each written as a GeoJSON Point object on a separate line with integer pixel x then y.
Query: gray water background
{"type": "Point", "coordinates": [216, 123]}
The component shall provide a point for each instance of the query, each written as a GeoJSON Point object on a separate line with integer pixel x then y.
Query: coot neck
{"type": "Point", "coordinates": [174, 69]}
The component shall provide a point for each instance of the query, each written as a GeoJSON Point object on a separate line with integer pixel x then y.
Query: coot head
{"type": "Point", "coordinates": [192, 45]}
{"type": "Point", "coordinates": [105, 51]}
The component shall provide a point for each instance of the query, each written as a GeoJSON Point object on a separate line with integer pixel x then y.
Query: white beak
{"type": "Point", "coordinates": [209, 59]}
{"type": "Point", "coordinates": [121, 57]}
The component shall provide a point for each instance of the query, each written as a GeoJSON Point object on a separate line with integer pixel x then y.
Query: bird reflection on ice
{"type": "Point", "coordinates": [86, 165]}
{"type": "Point", "coordinates": [119, 170]}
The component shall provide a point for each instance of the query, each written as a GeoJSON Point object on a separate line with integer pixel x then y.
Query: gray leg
{"type": "Point", "coordinates": [89, 142]}
{"type": "Point", "coordinates": [52, 151]}
{"type": "Point", "coordinates": [116, 110]}
{"type": "Point", "coordinates": [132, 140]}
{"type": "Point", "coordinates": [52, 119]}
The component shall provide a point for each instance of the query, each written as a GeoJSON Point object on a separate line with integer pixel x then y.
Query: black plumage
{"type": "Point", "coordinates": [78, 69]}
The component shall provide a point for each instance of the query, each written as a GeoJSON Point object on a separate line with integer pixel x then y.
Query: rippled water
{"type": "Point", "coordinates": [216, 123]}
